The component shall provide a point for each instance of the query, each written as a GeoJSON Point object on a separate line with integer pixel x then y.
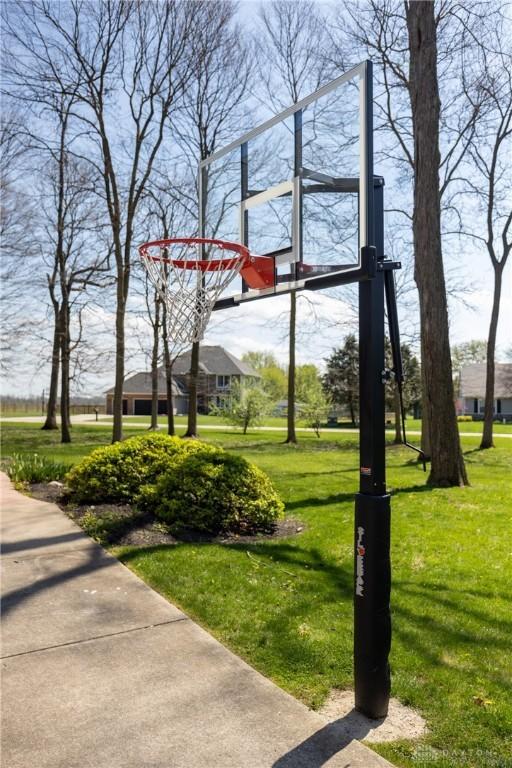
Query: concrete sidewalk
{"type": "Point", "coordinates": [100, 671]}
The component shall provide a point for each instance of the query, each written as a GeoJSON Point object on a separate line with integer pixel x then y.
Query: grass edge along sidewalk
{"type": "Point", "coordinates": [287, 608]}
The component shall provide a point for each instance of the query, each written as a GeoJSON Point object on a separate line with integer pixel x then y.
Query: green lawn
{"type": "Point", "coordinates": [475, 427]}
{"type": "Point", "coordinates": [269, 421]}
{"type": "Point", "coordinates": [217, 421]}
{"type": "Point", "coordinates": [27, 438]}
{"type": "Point", "coordinates": [287, 609]}
{"type": "Point", "coordinates": [279, 421]}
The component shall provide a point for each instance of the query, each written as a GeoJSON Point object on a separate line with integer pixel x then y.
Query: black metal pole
{"type": "Point", "coordinates": [244, 194]}
{"type": "Point", "coordinates": [372, 620]}
{"type": "Point", "coordinates": [297, 223]}
{"type": "Point", "coordinates": [372, 571]}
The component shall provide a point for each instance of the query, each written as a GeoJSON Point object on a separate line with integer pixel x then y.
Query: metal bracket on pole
{"type": "Point", "coordinates": [384, 266]}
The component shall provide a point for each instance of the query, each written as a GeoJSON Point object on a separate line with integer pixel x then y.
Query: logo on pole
{"type": "Point", "coordinates": [360, 550]}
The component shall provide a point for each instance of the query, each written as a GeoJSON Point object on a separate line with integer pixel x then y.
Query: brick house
{"type": "Point", "coordinates": [218, 370]}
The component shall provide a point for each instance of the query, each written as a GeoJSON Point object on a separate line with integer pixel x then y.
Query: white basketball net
{"type": "Point", "coordinates": [188, 290]}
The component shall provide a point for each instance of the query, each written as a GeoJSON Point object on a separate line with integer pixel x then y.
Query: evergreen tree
{"type": "Point", "coordinates": [341, 380]}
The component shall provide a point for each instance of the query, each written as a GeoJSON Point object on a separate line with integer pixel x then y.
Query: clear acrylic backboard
{"type": "Point", "coordinates": [299, 189]}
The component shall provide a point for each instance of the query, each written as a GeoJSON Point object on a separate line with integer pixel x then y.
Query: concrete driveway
{"type": "Point", "coordinates": [100, 671]}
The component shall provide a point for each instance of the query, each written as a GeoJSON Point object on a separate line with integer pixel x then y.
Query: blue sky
{"type": "Point", "coordinates": [324, 318]}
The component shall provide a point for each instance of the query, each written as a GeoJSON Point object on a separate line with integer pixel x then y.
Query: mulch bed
{"type": "Point", "coordinates": [151, 532]}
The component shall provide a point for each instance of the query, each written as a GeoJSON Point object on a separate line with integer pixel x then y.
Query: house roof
{"type": "Point", "coordinates": [140, 384]}
{"type": "Point", "coordinates": [472, 380]}
{"type": "Point", "coordinates": [214, 360]}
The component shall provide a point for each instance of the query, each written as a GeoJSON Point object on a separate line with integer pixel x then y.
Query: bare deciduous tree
{"type": "Point", "coordinates": [18, 220]}
{"type": "Point", "coordinates": [211, 114]}
{"type": "Point", "coordinates": [156, 323]}
{"type": "Point", "coordinates": [79, 262]}
{"type": "Point", "coordinates": [66, 192]}
{"type": "Point", "coordinates": [447, 466]}
{"type": "Point", "coordinates": [168, 214]}
{"type": "Point", "coordinates": [128, 64]}
{"type": "Point", "coordinates": [294, 34]}
{"type": "Point", "coordinates": [392, 32]}
{"type": "Point", "coordinates": [488, 184]}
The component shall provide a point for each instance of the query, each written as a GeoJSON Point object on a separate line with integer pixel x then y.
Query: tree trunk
{"type": "Point", "coordinates": [398, 418]}
{"type": "Point", "coordinates": [64, 392]}
{"type": "Point", "coordinates": [192, 397]}
{"type": "Point", "coordinates": [291, 437]}
{"type": "Point", "coordinates": [352, 413]}
{"type": "Point", "coordinates": [168, 374]}
{"type": "Point", "coordinates": [170, 398]}
{"type": "Point", "coordinates": [487, 436]}
{"type": "Point", "coordinates": [51, 410]}
{"type": "Point", "coordinates": [154, 366]}
{"type": "Point", "coordinates": [447, 467]}
{"type": "Point", "coordinates": [122, 281]}
{"type": "Point", "coordinates": [425, 423]}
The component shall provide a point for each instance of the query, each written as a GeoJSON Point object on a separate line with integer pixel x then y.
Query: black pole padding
{"type": "Point", "coordinates": [372, 616]}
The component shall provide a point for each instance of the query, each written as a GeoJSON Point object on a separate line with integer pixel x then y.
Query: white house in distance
{"type": "Point", "coordinates": [472, 391]}
{"type": "Point", "coordinates": [218, 370]}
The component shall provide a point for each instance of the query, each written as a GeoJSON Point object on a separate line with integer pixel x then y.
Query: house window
{"type": "Point", "coordinates": [223, 381]}
{"type": "Point", "coordinates": [475, 405]}
{"type": "Point", "coordinates": [498, 406]}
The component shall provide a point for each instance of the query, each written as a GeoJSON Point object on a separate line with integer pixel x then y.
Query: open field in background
{"type": "Point", "coordinates": [285, 605]}
{"type": "Point", "coordinates": [269, 421]}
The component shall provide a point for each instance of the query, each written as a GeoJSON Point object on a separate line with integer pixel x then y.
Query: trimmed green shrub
{"type": "Point", "coordinates": [217, 493]}
{"type": "Point", "coordinates": [464, 418]}
{"type": "Point", "coordinates": [116, 473]}
{"type": "Point", "coordinates": [32, 468]}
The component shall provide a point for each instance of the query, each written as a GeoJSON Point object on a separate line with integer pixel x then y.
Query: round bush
{"type": "Point", "coordinates": [118, 473]}
{"type": "Point", "coordinates": [217, 492]}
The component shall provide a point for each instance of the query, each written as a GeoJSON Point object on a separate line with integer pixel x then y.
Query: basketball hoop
{"type": "Point", "coordinates": [190, 273]}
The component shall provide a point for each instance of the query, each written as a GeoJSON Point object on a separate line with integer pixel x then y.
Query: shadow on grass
{"type": "Point", "coordinates": [272, 552]}
{"type": "Point", "coordinates": [347, 497]}
{"type": "Point", "coordinates": [412, 489]}
{"type": "Point", "coordinates": [340, 471]}
{"type": "Point", "coordinates": [306, 444]}
{"type": "Point", "coordinates": [438, 626]}
{"type": "Point", "coordinates": [442, 598]}
{"type": "Point", "coordinates": [256, 445]}
{"type": "Point", "coordinates": [310, 559]}
{"type": "Point", "coordinates": [320, 501]}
